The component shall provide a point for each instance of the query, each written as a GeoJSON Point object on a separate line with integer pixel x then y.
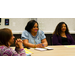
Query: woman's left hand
{"type": "Point", "coordinates": [18, 40]}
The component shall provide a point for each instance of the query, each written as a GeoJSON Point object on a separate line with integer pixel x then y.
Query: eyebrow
{"type": "Point", "coordinates": [35, 26]}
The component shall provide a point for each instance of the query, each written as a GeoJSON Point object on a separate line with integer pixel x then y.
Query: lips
{"type": "Point", "coordinates": [13, 39]}
{"type": "Point", "coordinates": [63, 29]}
{"type": "Point", "coordinates": [36, 30]}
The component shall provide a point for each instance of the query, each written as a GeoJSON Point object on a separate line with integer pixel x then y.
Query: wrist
{"type": "Point", "coordinates": [34, 46]}
{"type": "Point", "coordinates": [21, 47]}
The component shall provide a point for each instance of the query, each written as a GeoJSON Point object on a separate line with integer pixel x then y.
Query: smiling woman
{"type": "Point", "coordinates": [32, 36]}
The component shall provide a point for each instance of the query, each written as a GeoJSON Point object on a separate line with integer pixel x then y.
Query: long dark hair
{"type": "Point", "coordinates": [5, 35]}
{"type": "Point", "coordinates": [58, 29]}
{"type": "Point", "coordinates": [30, 25]}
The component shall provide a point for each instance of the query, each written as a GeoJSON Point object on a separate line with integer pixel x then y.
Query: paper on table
{"type": "Point", "coordinates": [70, 46]}
{"type": "Point", "coordinates": [48, 48]}
{"type": "Point", "coordinates": [27, 51]}
{"type": "Point", "coordinates": [43, 49]}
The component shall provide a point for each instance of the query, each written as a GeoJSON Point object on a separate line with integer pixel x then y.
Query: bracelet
{"type": "Point", "coordinates": [34, 46]}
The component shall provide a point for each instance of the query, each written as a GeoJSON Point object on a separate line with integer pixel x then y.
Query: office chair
{"type": "Point", "coordinates": [51, 40]}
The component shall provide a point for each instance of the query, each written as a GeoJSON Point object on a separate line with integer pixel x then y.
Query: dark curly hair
{"type": "Point", "coordinates": [30, 25]}
{"type": "Point", "coordinates": [58, 29]}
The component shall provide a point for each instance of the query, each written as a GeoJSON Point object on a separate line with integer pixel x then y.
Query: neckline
{"type": "Point", "coordinates": [35, 35]}
{"type": "Point", "coordinates": [63, 37]}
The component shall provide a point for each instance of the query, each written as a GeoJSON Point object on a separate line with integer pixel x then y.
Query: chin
{"type": "Point", "coordinates": [12, 43]}
{"type": "Point", "coordinates": [35, 31]}
{"type": "Point", "coordinates": [63, 31]}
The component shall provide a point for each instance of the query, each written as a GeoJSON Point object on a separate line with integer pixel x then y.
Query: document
{"type": "Point", "coordinates": [43, 49]}
{"type": "Point", "coordinates": [27, 51]}
{"type": "Point", "coordinates": [70, 46]}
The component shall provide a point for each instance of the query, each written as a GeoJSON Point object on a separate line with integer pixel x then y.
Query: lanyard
{"type": "Point", "coordinates": [34, 42]}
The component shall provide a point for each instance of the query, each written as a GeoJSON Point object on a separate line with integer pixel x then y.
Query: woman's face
{"type": "Point", "coordinates": [11, 41]}
{"type": "Point", "coordinates": [35, 28]}
{"type": "Point", "coordinates": [63, 28]}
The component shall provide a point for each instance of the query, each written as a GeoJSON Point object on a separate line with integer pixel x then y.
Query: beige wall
{"type": "Point", "coordinates": [48, 25]}
{"type": "Point", "coordinates": [15, 24]}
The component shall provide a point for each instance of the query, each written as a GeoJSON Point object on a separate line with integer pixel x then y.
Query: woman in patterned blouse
{"type": "Point", "coordinates": [7, 39]}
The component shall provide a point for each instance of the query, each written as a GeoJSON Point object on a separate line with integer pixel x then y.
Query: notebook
{"type": "Point", "coordinates": [43, 49]}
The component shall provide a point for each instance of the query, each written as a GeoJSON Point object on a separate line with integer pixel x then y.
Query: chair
{"type": "Point", "coordinates": [51, 40]}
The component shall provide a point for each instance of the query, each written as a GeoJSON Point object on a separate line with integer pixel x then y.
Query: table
{"type": "Point", "coordinates": [57, 51]}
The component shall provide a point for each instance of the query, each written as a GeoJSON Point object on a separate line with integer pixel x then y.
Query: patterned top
{"type": "Point", "coordinates": [7, 51]}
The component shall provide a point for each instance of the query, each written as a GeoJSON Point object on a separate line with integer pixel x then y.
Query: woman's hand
{"type": "Point", "coordinates": [19, 43]}
{"type": "Point", "coordinates": [40, 45]}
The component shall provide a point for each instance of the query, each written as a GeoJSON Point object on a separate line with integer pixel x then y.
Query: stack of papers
{"type": "Point", "coordinates": [43, 49]}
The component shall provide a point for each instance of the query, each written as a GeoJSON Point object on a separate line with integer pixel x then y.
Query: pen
{"type": "Point", "coordinates": [42, 44]}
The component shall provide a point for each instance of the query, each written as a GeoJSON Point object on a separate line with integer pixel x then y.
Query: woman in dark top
{"type": "Point", "coordinates": [61, 35]}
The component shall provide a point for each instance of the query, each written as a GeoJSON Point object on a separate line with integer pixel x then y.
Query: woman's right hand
{"type": "Point", "coordinates": [40, 45]}
{"type": "Point", "coordinates": [19, 43]}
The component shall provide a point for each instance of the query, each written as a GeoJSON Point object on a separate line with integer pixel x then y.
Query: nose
{"type": "Point", "coordinates": [13, 36]}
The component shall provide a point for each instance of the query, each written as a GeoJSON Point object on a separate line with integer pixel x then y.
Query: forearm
{"type": "Point", "coordinates": [17, 49]}
{"type": "Point", "coordinates": [20, 52]}
{"type": "Point", "coordinates": [29, 45]}
{"type": "Point", "coordinates": [45, 44]}
{"type": "Point", "coordinates": [44, 41]}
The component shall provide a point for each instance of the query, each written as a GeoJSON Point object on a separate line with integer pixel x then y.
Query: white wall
{"type": "Point", "coordinates": [48, 25]}
{"type": "Point", "coordinates": [17, 25]}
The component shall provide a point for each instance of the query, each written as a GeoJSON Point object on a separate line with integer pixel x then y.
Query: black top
{"type": "Point", "coordinates": [64, 41]}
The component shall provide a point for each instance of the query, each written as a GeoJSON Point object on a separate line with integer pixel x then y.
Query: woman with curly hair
{"type": "Point", "coordinates": [61, 35]}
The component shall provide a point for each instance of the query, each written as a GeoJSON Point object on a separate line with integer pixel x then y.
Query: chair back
{"type": "Point", "coordinates": [51, 40]}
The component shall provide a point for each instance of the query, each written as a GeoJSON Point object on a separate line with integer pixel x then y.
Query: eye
{"type": "Point", "coordinates": [64, 26]}
{"type": "Point", "coordinates": [35, 27]}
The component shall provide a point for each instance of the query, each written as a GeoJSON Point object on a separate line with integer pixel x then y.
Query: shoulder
{"type": "Point", "coordinates": [40, 31]}
{"type": "Point", "coordinates": [5, 47]}
{"type": "Point", "coordinates": [25, 32]}
{"type": "Point", "coordinates": [8, 51]}
{"type": "Point", "coordinates": [68, 35]}
{"type": "Point", "coordinates": [54, 35]}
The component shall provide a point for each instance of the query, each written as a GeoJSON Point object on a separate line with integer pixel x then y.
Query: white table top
{"type": "Point", "coordinates": [57, 51]}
